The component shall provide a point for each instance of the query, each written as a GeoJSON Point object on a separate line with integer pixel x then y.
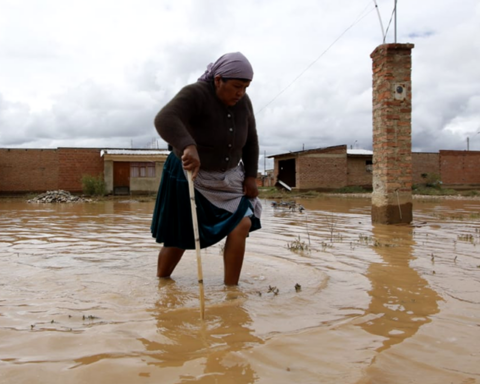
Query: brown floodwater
{"type": "Point", "coordinates": [80, 302]}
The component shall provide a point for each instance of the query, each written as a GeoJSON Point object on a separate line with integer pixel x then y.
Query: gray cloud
{"type": "Point", "coordinates": [63, 84]}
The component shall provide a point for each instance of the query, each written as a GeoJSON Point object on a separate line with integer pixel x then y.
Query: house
{"type": "Point", "coordinates": [265, 179]}
{"type": "Point", "coordinates": [324, 168]}
{"type": "Point", "coordinates": [135, 171]}
{"type": "Point", "coordinates": [337, 167]}
{"type": "Point", "coordinates": [131, 171]}
{"type": "Point", "coordinates": [125, 171]}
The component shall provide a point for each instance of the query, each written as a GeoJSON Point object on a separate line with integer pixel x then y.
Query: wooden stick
{"type": "Point", "coordinates": [197, 244]}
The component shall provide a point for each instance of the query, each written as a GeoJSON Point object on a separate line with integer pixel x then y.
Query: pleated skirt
{"type": "Point", "coordinates": [172, 222]}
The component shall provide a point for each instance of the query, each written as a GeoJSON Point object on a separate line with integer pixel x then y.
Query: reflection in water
{"type": "Point", "coordinates": [185, 337]}
{"type": "Point", "coordinates": [399, 296]}
{"type": "Point", "coordinates": [80, 300]}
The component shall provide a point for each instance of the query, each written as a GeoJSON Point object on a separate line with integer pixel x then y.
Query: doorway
{"type": "Point", "coordinates": [121, 178]}
{"type": "Point", "coordinates": [287, 173]}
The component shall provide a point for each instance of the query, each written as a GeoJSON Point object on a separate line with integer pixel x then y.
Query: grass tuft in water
{"type": "Point", "coordinates": [298, 245]}
{"type": "Point", "coordinates": [468, 238]}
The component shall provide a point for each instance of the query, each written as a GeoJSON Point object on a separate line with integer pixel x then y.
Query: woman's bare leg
{"type": "Point", "coordinates": [168, 259]}
{"type": "Point", "coordinates": [234, 251]}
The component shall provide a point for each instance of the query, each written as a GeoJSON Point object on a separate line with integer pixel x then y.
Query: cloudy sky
{"type": "Point", "coordinates": [94, 73]}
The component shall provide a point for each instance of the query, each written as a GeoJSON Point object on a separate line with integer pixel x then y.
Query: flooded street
{"type": "Point", "coordinates": [80, 302]}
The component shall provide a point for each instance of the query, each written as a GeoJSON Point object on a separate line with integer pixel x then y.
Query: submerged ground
{"type": "Point", "coordinates": [325, 297]}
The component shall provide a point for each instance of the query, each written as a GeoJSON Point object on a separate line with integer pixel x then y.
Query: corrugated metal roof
{"type": "Point", "coordinates": [364, 152]}
{"type": "Point", "coordinates": [134, 152]}
{"type": "Point", "coordinates": [359, 152]}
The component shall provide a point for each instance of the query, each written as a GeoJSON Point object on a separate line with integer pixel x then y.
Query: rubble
{"type": "Point", "coordinates": [58, 197]}
{"type": "Point", "coordinates": [290, 205]}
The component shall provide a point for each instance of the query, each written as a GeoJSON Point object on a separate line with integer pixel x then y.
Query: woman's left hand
{"type": "Point", "coordinates": [250, 188]}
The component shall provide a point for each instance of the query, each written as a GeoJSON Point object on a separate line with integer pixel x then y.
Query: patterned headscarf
{"type": "Point", "coordinates": [231, 65]}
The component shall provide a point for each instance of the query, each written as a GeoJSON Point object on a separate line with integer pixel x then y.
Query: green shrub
{"type": "Point", "coordinates": [272, 193]}
{"type": "Point", "coordinates": [433, 191]}
{"type": "Point", "coordinates": [432, 180]}
{"type": "Point", "coordinates": [93, 186]}
{"type": "Point", "coordinates": [471, 193]}
{"type": "Point", "coordinates": [311, 194]}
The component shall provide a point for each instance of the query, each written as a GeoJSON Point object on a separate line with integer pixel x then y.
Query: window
{"type": "Point", "coordinates": [368, 166]}
{"type": "Point", "coordinates": [142, 169]}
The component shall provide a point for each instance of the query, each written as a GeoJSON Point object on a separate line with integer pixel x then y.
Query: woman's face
{"type": "Point", "coordinates": [231, 91]}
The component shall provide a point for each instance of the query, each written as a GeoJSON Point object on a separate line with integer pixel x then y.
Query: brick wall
{"type": "Point", "coordinates": [28, 170]}
{"type": "Point", "coordinates": [424, 163]}
{"type": "Point", "coordinates": [392, 144]}
{"type": "Point", "coordinates": [265, 180]}
{"type": "Point", "coordinates": [73, 163]}
{"type": "Point", "coordinates": [392, 118]}
{"type": "Point", "coordinates": [358, 174]}
{"type": "Point", "coordinates": [40, 170]}
{"type": "Point", "coordinates": [322, 169]}
{"type": "Point", "coordinates": [460, 167]}
{"type": "Point", "coordinates": [275, 169]}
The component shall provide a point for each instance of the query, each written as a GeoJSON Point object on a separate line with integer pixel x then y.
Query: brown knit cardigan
{"type": "Point", "coordinates": [223, 135]}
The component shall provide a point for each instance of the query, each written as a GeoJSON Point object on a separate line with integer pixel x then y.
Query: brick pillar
{"type": "Point", "coordinates": [392, 141]}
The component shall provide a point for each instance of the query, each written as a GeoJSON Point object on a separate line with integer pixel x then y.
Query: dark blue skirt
{"type": "Point", "coordinates": [172, 222]}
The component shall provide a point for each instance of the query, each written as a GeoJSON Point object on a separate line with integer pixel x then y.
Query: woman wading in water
{"type": "Point", "coordinates": [210, 127]}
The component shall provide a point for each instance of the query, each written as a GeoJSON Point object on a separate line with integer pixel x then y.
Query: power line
{"type": "Point", "coordinates": [390, 22]}
{"type": "Point", "coordinates": [358, 19]}
{"type": "Point", "coordinates": [380, 20]}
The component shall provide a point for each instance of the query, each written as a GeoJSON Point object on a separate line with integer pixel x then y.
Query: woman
{"type": "Point", "coordinates": [210, 126]}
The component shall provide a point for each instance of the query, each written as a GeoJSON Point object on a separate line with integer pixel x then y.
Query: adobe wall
{"type": "Point", "coordinates": [76, 162]}
{"type": "Point", "coordinates": [28, 170]}
{"type": "Point", "coordinates": [424, 164]}
{"type": "Point", "coordinates": [460, 167]}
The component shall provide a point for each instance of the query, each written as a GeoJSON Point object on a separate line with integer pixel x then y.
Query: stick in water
{"type": "Point", "coordinates": [197, 243]}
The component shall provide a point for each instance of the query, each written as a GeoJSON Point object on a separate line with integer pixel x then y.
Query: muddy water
{"type": "Point", "coordinates": [79, 301]}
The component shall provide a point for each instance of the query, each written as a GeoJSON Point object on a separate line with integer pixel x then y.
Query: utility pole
{"type": "Point", "coordinates": [395, 10]}
{"type": "Point", "coordinates": [468, 140]}
{"type": "Point", "coordinates": [264, 168]}
{"type": "Point", "coordinates": [265, 162]}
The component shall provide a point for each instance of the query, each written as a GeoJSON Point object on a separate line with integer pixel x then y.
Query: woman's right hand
{"type": "Point", "coordinates": [191, 160]}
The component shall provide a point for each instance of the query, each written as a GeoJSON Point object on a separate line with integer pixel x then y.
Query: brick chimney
{"type": "Point", "coordinates": [392, 134]}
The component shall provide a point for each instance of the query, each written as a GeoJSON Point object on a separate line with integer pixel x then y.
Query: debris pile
{"type": "Point", "coordinates": [289, 205]}
{"type": "Point", "coordinates": [57, 197]}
